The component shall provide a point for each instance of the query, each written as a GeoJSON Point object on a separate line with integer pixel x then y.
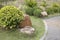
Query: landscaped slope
{"type": "Point", "coordinates": [17, 35]}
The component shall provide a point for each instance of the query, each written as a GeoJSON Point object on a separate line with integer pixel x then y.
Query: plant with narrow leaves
{"type": "Point", "coordinates": [37, 12]}
{"type": "Point", "coordinates": [31, 3]}
{"type": "Point", "coordinates": [43, 3]}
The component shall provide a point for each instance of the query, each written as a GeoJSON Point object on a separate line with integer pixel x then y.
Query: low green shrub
{"type": "Point", "coordinates": [43, 3]}
{"type": "Point", "coordinates": [49, 10]}
{"type": "Point", "coordinates": [29, 10]}
{"type": "Point", "coordinates": [54, 8]}
{"type": "Point", "coordinates": [37, 12]}
{"type": "Point", "coordinates": [31, 3]}
{"type": "Point", "coordinates": [10, 17]}
{"type": "Point", "coordinates": [32, 8]}
{"type": "Point", "coordinates": [55, 5]}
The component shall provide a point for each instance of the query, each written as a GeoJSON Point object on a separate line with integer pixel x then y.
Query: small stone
{"type": "Point", "coordinates": [44, 13]}
{"type": "Point", "coordinates": [27, 30]}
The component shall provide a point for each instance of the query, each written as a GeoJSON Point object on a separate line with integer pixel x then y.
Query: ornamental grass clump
{"type": "Point", "coordinates": [10, 17]}
{"type": "Point", "coordinates": [30, 4]}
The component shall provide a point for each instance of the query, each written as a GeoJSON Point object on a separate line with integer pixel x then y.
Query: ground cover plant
{"type": "Point", "coordinates": [37, 23]}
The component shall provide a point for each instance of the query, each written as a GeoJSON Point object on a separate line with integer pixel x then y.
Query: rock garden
{"type": "Point", "coordinates": [24, 22]}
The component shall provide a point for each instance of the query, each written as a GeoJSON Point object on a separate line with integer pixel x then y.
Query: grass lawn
{"type": "Point", "coordinates": [16, 35]}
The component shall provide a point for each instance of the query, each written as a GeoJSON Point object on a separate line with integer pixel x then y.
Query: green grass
{"type": "Point", "coordinates": [17, 35]}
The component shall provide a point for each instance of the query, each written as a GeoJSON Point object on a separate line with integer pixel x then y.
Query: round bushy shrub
{"type": "Point", "coordinates": [37, 12]}
{"type": "Point", "coordinates": [29, 10]}
{"type": "Point", "coordinates": [55, 7]}
{"type": "Point", "coordinates": [10, 17]}
{"type": "Point", "coordinates": [49, 10]}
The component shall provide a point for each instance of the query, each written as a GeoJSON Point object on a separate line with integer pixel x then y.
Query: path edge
{"type": "Point", "coordinates": [45, 33]}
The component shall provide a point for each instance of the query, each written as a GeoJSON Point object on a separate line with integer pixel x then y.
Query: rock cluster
{"type": "Point", "coordinates": [26, 25]}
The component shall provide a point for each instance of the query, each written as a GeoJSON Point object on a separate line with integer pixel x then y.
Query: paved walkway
{"type": "Point", "coordinates": [53, 28]}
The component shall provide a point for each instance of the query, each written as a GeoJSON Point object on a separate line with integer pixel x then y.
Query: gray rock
{"type": "Point", "coordinates": [44, 13]}
{"type": "Point", "coordinates": [27, 30]}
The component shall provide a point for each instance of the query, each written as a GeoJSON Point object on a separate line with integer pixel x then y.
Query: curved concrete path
{"type": "Point", "coordinates": [53, 28]}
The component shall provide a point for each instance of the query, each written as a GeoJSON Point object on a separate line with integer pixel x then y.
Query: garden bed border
{"type": "Point", "coordinates": [45, 33]}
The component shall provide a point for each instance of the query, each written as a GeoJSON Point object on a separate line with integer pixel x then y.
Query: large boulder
{"type": "Point", "coordinates": [26, 21]}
